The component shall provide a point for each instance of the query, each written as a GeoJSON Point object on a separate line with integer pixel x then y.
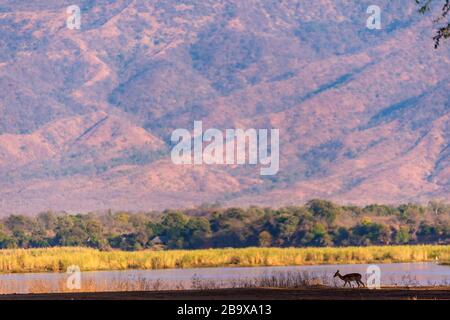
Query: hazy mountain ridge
{"type": "Point", "coordinates": [87, 115]}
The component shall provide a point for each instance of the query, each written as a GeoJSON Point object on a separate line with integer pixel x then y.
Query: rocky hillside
{"type": "Point", "coordinates": [86, 115]}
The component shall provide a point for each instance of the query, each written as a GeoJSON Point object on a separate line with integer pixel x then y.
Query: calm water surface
{"type": "Point", "coordinates": [413, 274]}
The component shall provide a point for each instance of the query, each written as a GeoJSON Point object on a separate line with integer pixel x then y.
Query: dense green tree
{"type": "Point", "coordinates": [428, 233]}
{"type": "Point", "coordinates": [369, 233]}
{"type": "Point", "coordinates": [6, 241]}
{"type": "Point", "coordinates": [320, 236]}
{"type": "Point", "coordinates": [402, 235]}
{"type": "Point", "coordinates": [318, 223]}
{"type": "Point", "coordinates": [342, 237]}
{"type": "Point", "coordinates": [173, 227]}
{"type": "Point", "coordinates": [197, 232]}
{"type": "Point", "coordinates": [283, 225]}
{"type": "Point", "coordinates": [323, 209]}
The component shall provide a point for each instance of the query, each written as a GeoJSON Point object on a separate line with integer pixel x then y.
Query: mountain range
{"type": "Point", "coordinates": [87, 115]}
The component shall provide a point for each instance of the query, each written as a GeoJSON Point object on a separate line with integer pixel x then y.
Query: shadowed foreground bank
{"type": "Point", "coordinates": [320, 293]}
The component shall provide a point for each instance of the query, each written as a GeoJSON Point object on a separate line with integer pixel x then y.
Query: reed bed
{"type": "Point", "coordinates": [87, 285]}
{"type": "Point", "coordinates": [58, 259]}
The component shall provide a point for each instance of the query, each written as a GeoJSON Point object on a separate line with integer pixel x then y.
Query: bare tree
{"type": "Point", "coordinates": [443, 31]}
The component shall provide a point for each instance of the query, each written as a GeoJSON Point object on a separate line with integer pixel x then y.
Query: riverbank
{"type": "Point", "coordinates": [317, 293]}
{"type": "Point", "coordinates": [58, 259]}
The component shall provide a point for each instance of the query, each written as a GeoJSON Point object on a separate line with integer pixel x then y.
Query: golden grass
{"type": "Point", "coordinates": [25, 286]}
{"type": "Point", "coordinates": [58, 259]}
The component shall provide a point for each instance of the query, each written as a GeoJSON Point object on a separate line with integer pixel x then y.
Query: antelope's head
{"type": "Point", "coordinates": [336, 274]}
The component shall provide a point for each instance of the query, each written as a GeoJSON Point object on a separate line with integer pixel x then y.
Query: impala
{"type": "Point", "coordinates": [348, 278]}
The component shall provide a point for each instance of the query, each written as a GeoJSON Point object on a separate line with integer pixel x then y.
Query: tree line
{"type": "Point", "coordinates": [318, 223]}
